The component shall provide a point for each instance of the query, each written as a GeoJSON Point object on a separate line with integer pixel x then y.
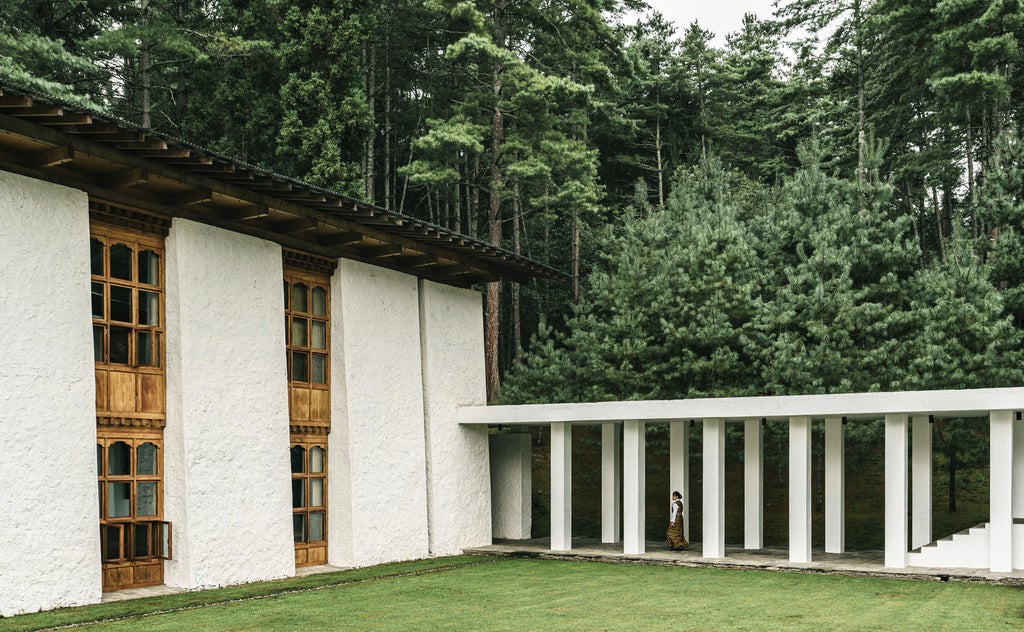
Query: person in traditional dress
{"type": "Point", "coordinates": [674, 535]}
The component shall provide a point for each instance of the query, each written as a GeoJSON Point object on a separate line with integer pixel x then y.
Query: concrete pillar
{"type": "Point", "coordinates": [753, 484]}
{"type": "Point", "coordinates": [1018, 472]}
{"type": "Point", "coordinates": [1001, 495]}
{"type": "Point", "coordinates": [835, 486]}
{"type": "Point", "coordinates": [714, 488]}
{"type": "Point", "coordinates": [800, 489]}
{"type": "Point", "coordinates": [679, 467]}
{"type": "Point", "coordinates": [511, 485]}
{"type": "Point", "coordinates": [896, 490]}
{"type": "Point", "coordinates": [561, 486]}
{"type": "Point", "coordinates": [634, 481]}
{"type": "Point", "coordinates": [921, 481]}
{"type": "Point", "coordinates": [611, 483]}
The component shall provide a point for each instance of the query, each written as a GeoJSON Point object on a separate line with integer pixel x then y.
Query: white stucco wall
{"type": "Point", "coordinates": [226, 469]}
{"type": "Point", "coordinates": [511, 485]}
{"type": "Point", "coordinates": [376, 475]}
{"type": "Point", "coordinates": [458, 475]}
{"type": "Point", "coordinates": [49, 541]}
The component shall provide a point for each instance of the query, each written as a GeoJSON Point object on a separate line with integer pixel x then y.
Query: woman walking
{"type": "Point", "coordinates": [674, 535]}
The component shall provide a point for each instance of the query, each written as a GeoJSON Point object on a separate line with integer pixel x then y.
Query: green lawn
{"type": "Point", "coordinates": [531, 594]}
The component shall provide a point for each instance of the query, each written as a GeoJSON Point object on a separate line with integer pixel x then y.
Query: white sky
{"type": "Point", "coordinates": [719, 16]}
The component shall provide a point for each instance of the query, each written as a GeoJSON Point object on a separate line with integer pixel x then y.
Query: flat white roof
{"type": "Point", "coordinates": [952, 403]}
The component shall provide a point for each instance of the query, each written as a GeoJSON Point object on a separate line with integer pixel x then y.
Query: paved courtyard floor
{"type": "Point", "coordinates": [865, 563]}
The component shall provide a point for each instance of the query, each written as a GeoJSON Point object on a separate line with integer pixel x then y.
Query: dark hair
{"type": "Point", "coordinates": [674, 494]}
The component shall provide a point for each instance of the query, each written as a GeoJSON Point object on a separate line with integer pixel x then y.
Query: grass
{"type": "Point", "coordinates": [486, 593]}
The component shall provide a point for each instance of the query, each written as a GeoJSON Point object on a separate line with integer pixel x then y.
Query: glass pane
{"type": "Point", "coordinates": [316, 460]}
{"type": "Point", "coordinates": [143, 348]}
{"type": "Point", "coordinates": [121, 262]}
{"type": "Point", "coordinates": [97, 300]}
{"type": "Point", "coordinates": [145, 499]}
{"type": "Point", "coordinates": [300, 372]}
{"type": "Point", "coordinates": [298, 459]}
{"type": "Point", "coordinates": [97, 343]}
{"type": "Point", "coordinates": [156, 351]}
{"type": "Point", "coordinates": [149, 308]}
{"type": "Point", "coordinates": [121, 304]}
{"type": "Point", "coordinates": [298, 493]}
{"type": "Point", "coordinates": [319, 301]}
{"type": "Point", "coordinates": [119, 344]}
{"type": "Point", "coordinates": [111, 542]}
{"type": "Point", "coordinates": [149, 267]}
{"type": "Point", "coordinates": [119, 502]}
{"type": "Point", "coordinates": [286, 295]}
{"type": "Point", "coordinates": [145, 455]}
{"type": "Point", "coordinates": [299, 527]}
{"type": "Point", "coordinates": [99, 459]}
{"type": "Point", "coordinates": [99, 489]}
{"type": "Point", "coordinates": [319, 368]}
{"type": "Point", "coordinates": [165, 540]}
{"type": "Point", "coordinates": [96, 251]}
{"type": "Point", "coordinates": [300, 328]}
{"type": "Point", "coordinates": [316, 492]}
{"type": "Point", "coordinates": [316, 526]}
{"type": "Point", "coordinates": [300, 302]}
{"type": "Point", "coordinates": [319, 335]}
{"type": "Point", "coordinates": [119, 459]}
{"type": "Point", "coordinates": [142, 540]}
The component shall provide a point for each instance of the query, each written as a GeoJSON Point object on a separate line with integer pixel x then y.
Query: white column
{"type": "Point", "coordinates": [611, 483]}
{"type": "Point", "coordinates": [1000, 500]}
{"type": "Point", "coordinates": [753, 484]}
{"type": "Point", "coordinates": [561, 486]}
{"type": "Point", "coordinates": [633, 480]}
{"type": "Point", "coordinates": [800, 489]}
{"type": "Point", "coordinates": [679, 467]}
{"type": "Point", "coordinates": [714, 488]}
{"type": "Point", "coordinates": [1018, 471]}
{"type": "Point", "coordinates": [896, 490]}
{"type": "Point", "coordinates": [921, 481]}
{"type": "Point", "coordinates": [835, 484]}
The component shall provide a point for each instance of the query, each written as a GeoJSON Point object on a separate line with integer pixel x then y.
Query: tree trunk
{"type": "Point", "coordinates": [517, 325]}
{"type": "Point", "coordinates": [388, 167]}
{"type": "Point", "coordinates": [861, 173]}
{"type": "Point", "coordinates": [661, 169]}
{"type": "Point", "coordinates": [938, 222]}
{"type": "Point", "coordinates": [145, 64]}
{"type": "Point", "coordinates": [371, 90]}
{"type": "Point", "coordinates": [494, 216]}
{"type": "Point", "coordinates": [575, 255]}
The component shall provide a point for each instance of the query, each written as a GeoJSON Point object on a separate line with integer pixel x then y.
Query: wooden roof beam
{"type": "Point", "coordinates": [247, 214]}
{"type": "Point", "coordinates": [35, 111]}
{"type": "Point", "coordinates": [195, 196]}
{"type": "Point", "coordinates": [380, 252]}
{"type": "Point", "coordinates": [344, 238]}
{"type": "Point", "coordinates": [417, 261]}
{"type": "Point", "coordinates": [69, 119]}
{"type": "Point", "coordinates": [52, 157]}
{"type": "Point", "coordinates": [295, 226]}
{"type": "Point", "coordinates": [125, 179]}
{"type": "Point", "coordinates": [94, 128]}
{"type": "Point", "coordinates": [15, 101]}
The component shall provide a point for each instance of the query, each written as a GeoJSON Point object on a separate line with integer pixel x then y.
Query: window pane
{"type": "Point", "coordinates": [111, 542]}
{"type": "Point", "coordinates": [319, 301]}
{"type": "Point", "coordinates": [149, 308]}
{"type": "Point", "coordinates": [156, 351]}
{"type": "Point", "coordinates": [298, 459]}
{"type": "Point", "coordinates": [299, 527]}
{"type": "Point", "coordinates": [300, 328]}
{"type": "Point", "coordinates": [149, 267]}
{"type": "Point", "coordinates": [316, 492]}
{"type": "Point", "coordinates": [316, 460]}
{"type": "Point", "coordinates": [119, 459]}
{"type": "Point", "coordinates": [97, 343]}
{"type": "Point", "coordinates": [97, 300]}
{"type": "Point", "coordinates": [319, 335]}
{"type": "Point", "coordinates": [145, 499]}
{"type": "Point", "coordinates": [99, 459]}
{"type": "Point", "coordinates": [143, 348]}
{"type": "Point", "coordinates": [316, 526]}
{"type": "Point", "coordinates": [286, 295]}
{"type": "Point", "coordinates": [142, 540]}
{"type": "Point", "coordinates": [121, 262]}
{"type": "Point", "coordinates": [164, 542]}
{"type": "Point", "coordinates": [96, 252]}
{"type": "Point", "coordinates": [121, 304]}
{"type": "Point", "coordinates": [300, 302]}
{"type": "Point", "coordinates": [298, 493]}
{"type": "Point", "coordinates": [145, 455]}
{"type": "Point", "coordinates": [119, 503]}
{"type": "Point", "coordinates": [119, 344]}
{"type": "Point", "coordinates": [319, 368]}
{"type": "Point", "coordinates": [300, 372]}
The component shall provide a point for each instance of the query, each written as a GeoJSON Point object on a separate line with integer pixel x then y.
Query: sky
{"type": "Point", "coordinates": [719, 16]}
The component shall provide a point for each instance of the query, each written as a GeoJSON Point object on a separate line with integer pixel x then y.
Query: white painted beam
{"type": "Point", "coordinates": [679, 467]}
{"type": "Point", "coordinates": [753, 484]}
{"type": "Point", "coordinates": [634, 478]}
{"type": "Point", "coordinates": [800, 489]}
{"type": "Point", "coordinates": [835, 486]}
{"type": "Point", "coordinates": [896, 490]}
{"type": "Point", "coordinates": [611, 483]}
{"type": "Point", "coordinates": [713, 510]}
{"type": "Point", "coordinates": [561, 486]}
{"type": "Point", "coordinates": [921, 481]}
{"type": "Point", "coordinates": [1001, 491]}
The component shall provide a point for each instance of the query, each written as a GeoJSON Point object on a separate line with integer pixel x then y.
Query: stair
{"type": "Point", "coordinates": [967, 549]}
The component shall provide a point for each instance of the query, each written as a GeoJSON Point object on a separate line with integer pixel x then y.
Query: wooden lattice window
{"type": "Point", "coordinates": [130, 479]}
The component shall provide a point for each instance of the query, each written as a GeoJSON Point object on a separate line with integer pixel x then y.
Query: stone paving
{"type": "Point", "coordinates": [865, 563]}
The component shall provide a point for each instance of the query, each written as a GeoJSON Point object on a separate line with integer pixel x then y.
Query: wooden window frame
{"type": "Point", "coordinates": [133, 478]}
{"type": "Point", "coordinates": [307, 444]}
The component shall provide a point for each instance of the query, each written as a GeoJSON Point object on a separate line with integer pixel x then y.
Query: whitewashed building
{"type": "Point", "coordinates": [212, 374]}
